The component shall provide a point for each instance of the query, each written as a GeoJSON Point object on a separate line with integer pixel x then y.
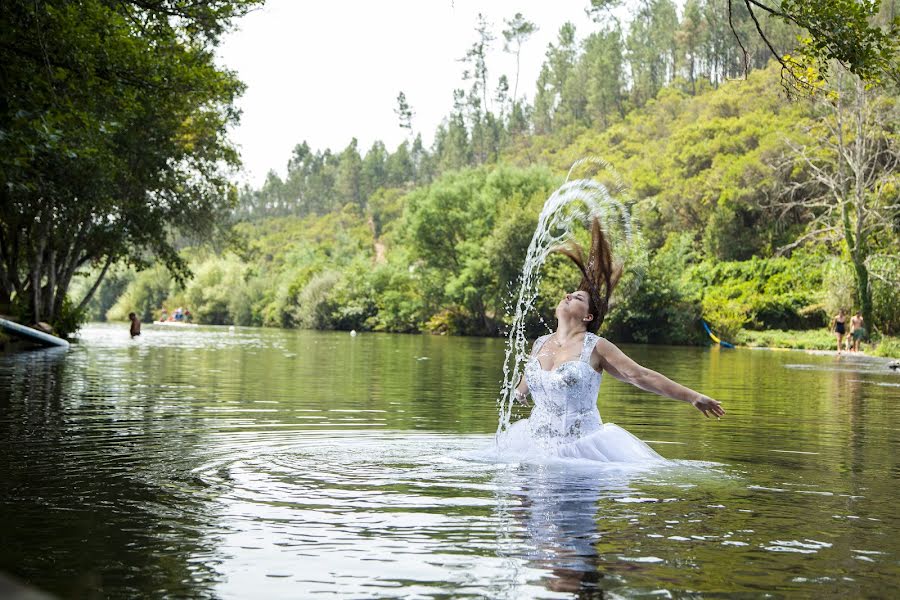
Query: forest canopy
{"type": "Point", "coordinates": [113, 124]}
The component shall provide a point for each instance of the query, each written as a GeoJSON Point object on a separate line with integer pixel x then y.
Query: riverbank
{"type": "Point", "coordinates": [813, 339]}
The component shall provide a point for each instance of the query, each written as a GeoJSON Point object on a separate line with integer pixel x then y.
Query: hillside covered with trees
{"type": "Point", "coordinates": [758, 209]}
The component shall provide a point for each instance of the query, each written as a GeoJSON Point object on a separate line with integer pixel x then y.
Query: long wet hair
{"type": "Point", "coordinates": [599, 274]}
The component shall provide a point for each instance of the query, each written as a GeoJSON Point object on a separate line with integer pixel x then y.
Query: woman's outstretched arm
{"type": "Point", "coordinates": [611, 359]}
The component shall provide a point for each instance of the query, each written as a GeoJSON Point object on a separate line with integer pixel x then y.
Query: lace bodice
{"type": "Point", "coordinates": [565, 398]}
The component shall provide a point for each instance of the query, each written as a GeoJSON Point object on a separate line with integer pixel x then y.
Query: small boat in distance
{"type": "Point", "coordinates": [32, 335]}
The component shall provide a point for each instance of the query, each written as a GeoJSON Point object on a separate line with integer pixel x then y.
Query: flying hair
{"type": "Point", "coordinates": [599, 274]}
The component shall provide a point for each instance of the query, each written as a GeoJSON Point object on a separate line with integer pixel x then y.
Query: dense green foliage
{"type": "Point", "coordinates": [113, 121]}
{"type": "Point", "coordinates": [444, 256]}
{"type": "Point", "coordinates": [724, 175]}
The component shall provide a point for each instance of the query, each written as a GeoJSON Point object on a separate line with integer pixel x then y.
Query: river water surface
{"type": "Point", "coordinates": [202, 462]}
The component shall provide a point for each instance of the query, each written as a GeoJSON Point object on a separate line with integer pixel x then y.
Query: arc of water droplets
{"type": "Point", "coordinates": [576, 201]}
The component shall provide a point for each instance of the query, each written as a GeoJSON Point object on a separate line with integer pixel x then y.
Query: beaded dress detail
{"type": "Point", "coordinates": [565, 421]}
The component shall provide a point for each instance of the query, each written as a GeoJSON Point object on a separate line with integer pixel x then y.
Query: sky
{"type": "Point", "coordinates": [326, 72]}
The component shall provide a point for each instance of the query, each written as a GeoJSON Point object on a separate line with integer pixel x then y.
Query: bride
{"type": "Point", "coordinates": [564, 371]}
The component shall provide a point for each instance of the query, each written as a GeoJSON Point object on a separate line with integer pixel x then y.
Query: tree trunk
{"type": "Point", "coordinates": [90, 294]}
{"type": "Point", "coordinates": [36, 275]}
{"type": "Point", "coordinates": [516, 86]}
{"type": "Point", "coordinates": [49, 295]}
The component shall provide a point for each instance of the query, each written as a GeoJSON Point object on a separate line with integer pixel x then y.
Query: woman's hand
{"type": "Point", "coordinates": [708, 406]}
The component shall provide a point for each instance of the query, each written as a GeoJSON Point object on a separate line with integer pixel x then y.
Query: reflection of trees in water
{"type": "Point", "coordinates": [556, 508]}
{"type": "Point", "coordinates": [83, 515]}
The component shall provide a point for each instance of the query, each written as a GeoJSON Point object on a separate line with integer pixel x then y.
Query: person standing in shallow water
{"type": "Point", "coordinates": [839, 326]}
{"type": "Point", "coordinates": [857, 331]}
{"type": "Point", "coordinates": [135, 325]}
{"type": "Point", "coordinates": [564, 371]}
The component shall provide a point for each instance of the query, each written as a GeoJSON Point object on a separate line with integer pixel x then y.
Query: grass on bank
{"type": "Point", "coordinates": [813, 339]}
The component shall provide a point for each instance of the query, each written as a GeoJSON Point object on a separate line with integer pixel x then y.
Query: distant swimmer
{"type": "Point", "coordinates": [135, 325]}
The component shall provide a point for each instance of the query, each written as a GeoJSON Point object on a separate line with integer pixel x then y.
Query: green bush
{"type": "Point", "coordinates": [658, 305]}
{"type": "Point", "coordinates": [885, 295]}
{"type": "Point", "coordinates": [813, 339]}
{"type": "Point", "coordinates": [145, 295]}
{"type": "Point", "coordinates": [210, 293]}
{"type": "Point", "coordinates": [773, 293]}
{"type": "Point", "coordinates": [316, 303]}
{"type": "Point", "coordinates": [69, 319]}
{"type": "Point", "coordinates": [888, 347]}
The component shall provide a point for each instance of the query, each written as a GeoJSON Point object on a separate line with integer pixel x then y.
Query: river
{"type": "Point", "coordinates": [211, 462]}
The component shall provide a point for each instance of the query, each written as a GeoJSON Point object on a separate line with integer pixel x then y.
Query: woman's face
{"type": "Point", "coordinates": [573, 305]}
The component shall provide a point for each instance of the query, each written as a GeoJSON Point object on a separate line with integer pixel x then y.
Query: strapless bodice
{"type": "Point", "coordinates": [565, 398]}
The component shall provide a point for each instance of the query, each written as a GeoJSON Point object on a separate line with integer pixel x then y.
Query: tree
{"type": "Point", "coordinates": [348, 181]}
{"type": "Point", "coordinates": [518, 30]}
{"type": "Point", "coordinates": [651, 48]}
{"type": "Point", "coordinates": [476, 59]}
{"type": "Point", "coordinates": [374, 169]}
{"type": "Point", "coordinates": [400, 167]}
{"type": "Point", "coordinates": [113, 134]}
{"type": "Point", "coordinates": [847, 184]}
{"type": "Point", "coordinates": [604, 79]}
{"type": "Point", "coordinates": [691, 38]}
{"type": "Point", "coordinates": [857, 34]}
{"type": "Point", "coordinates": [451, 140]}
{"type": "Point", "coordinates": [561, 59]}
{"type": "Point", "coordinates": [404, 113]}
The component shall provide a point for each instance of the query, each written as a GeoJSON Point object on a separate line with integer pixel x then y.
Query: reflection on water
{"type": "Point", "coordinates": [253, 463]}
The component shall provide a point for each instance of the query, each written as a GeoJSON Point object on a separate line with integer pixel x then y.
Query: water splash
{"type": "Point", "coordinates": [576, 203]}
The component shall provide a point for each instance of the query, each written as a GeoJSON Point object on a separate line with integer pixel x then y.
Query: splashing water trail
{"type": "Point", "coordinates": [577, 201]}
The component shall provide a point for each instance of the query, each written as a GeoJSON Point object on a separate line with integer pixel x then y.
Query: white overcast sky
{"type": "Point", "coordinates": [326, 72]}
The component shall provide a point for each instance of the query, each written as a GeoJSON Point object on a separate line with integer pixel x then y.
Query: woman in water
{"type": "Point", "coordinates": [564, 371]}
{"type": "Point", "coordinates": [839, 326]}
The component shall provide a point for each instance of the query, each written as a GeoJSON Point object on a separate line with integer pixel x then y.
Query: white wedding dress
{"type": "Point", "coordinates": [565, 422]}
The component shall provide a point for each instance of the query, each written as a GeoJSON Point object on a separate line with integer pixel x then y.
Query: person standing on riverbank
{"type": "Point", "coordinates": [839, 327]}
{"type": "Point", "coordinates": [135, 329]}
{"type": "Point", "coordinates": [857, 331]}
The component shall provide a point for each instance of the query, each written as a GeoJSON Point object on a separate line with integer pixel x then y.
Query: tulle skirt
{"type": "Point", "coordinates": [607, 444]}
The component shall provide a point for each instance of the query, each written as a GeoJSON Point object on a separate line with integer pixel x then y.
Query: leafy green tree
{"type": "Point", "coordinates": [849, 172]}
{"type": "Point", "coordinates": [113, 124]}
{"type": "Point", "coordinates": [475, 60]}
{"type": "Point", "coordinates": [603, 78]}
{"type": "Point", "coordinates": [552, 79]}
{"type": "Point", "coordinates": [373, 173]}
{"type": "Point", "coordinates": [424, 163]}
{"type": "Point", "coordinates": [651, 48]}
{"type": "Point", "coordinates": [691, 37]}
{"type": "Point", "coordinates": [348, 179]}
{"type": "Point", "coordinates": [857, 34]}
{"type": "Point", "coordinates": [400, 168]}
{"type": "Point", "coordinates": [451, 141]}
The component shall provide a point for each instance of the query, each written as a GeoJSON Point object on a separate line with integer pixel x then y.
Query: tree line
{"type": "Point", "coordinates": [735, 225]}
{"type": "Point", "coordinates": [114, 157]}
{"type": "Point", "coordinates": [589, 81]}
